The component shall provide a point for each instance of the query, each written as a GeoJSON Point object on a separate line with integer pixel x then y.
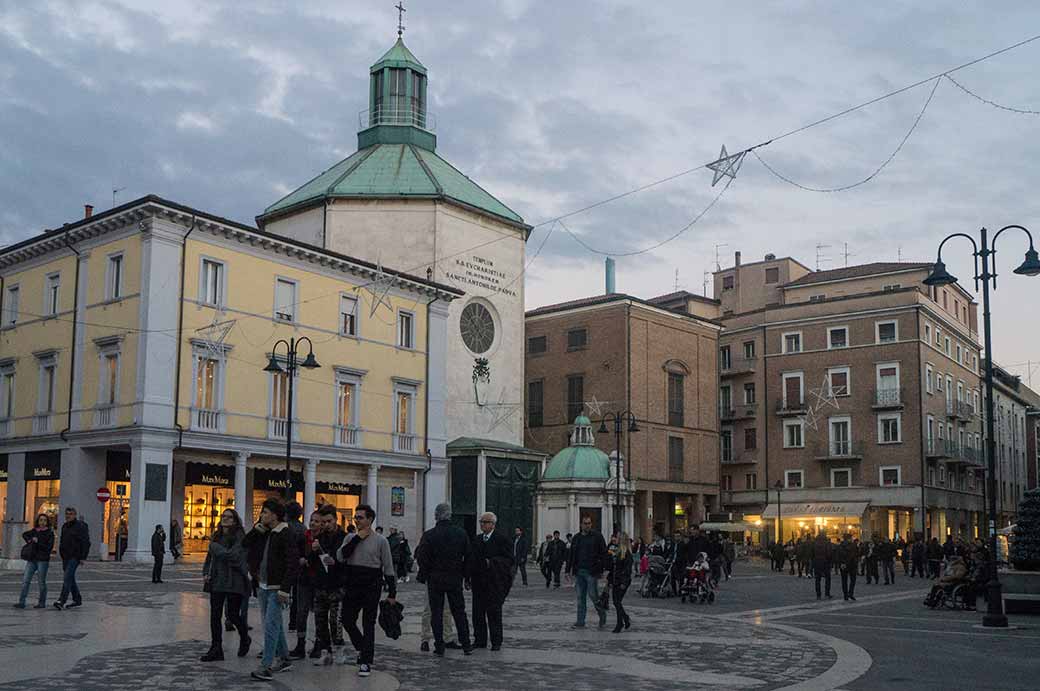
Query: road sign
{"type": "Point", "coordinates": [103, 495]}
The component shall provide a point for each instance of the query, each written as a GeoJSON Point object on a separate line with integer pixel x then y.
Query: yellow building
{"type": "Point", "coordinates": [133, 348]}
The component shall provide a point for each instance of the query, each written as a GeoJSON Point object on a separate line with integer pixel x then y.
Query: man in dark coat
{"type": "Point", "coordinates": [490, 576]}
{"type": "Point", "coordinates": [847, 558]}
{"type": "Point", "coordinates": [917, 558]}
{"type": "Point", "coordinates": [887, 557]}
{"type": "Point", "coordinates": [297, 533]}
{"type": "Point", "coordinates": [521, 546]}
{"type": "Point", "coordinates": [327, 583]}
{"type": "Point", "coordinates": [73, 547]}
{"type": "Point", "coordinates": [158, 553]}
{"type": "Point", "coordinates": [557, 555]}
{"type": "Point", "coordinates": [822, 556]}
{"type": "Point", "coordinates": [588, 560]}
{"type": "Point", "coordinates": [443, 554]}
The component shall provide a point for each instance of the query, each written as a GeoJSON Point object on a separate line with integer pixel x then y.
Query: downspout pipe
{"type": "Point", "coordinates": [426, 415]}
{"type": "Point", "coordinates": [75, 324]}
{"type": "Point", "coordinates": [180, 330]}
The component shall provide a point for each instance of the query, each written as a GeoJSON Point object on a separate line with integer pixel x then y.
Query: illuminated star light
{"type": "Point", "coordinates": [725, 165]}
{"type": "Point", "coordinates": [379, 287]}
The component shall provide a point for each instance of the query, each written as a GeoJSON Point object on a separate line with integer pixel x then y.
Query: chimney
{"type": "Point", "coordinates": [88, 210]}
{"type": "Point", "coordinates": [736, 258]}
{"type": "Point", "coordinates": [609, 275]}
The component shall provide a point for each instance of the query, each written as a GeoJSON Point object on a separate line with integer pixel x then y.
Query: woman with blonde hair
{"type": "Point", "coordinates": [619, 578]}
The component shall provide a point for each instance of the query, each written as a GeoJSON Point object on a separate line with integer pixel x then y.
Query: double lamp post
{"type": "Point", "coordinates": [619, 419]}
{"type": "Point", "coordinates": [290, 370]}
{"type": "Point", "coordinates": [983, 253]}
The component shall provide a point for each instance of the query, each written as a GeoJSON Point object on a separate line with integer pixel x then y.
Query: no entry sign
{"type": "Point", "coordinates": [103, 494]}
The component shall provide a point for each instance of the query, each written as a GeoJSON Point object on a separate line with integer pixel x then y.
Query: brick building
{"type": "Point", "coordinates": [615, 352]}
{"type": "Point", "coordinates": [1017, 409]}
{"type": "Point", "coordinates": [854, 390]}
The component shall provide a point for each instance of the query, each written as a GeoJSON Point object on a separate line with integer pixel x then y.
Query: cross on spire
{"type": "Point", "coordinates": [400, 18]}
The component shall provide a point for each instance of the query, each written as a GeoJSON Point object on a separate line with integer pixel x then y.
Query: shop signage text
{"type": "Point", "coordinates": [214, 480]}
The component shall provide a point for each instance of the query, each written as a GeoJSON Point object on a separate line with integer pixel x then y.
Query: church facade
{"type": "Point", "coordinates": [395, 201]}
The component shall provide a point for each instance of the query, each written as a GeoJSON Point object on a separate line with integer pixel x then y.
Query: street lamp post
{"type": "Point", "coordinates": [984, 252]}
{"type": "Point", "coordinates": [779, 521]}
{"type": "Point", "coordinates": [290, 371]}
{"type": "Point", "coordinates": [619, 418]}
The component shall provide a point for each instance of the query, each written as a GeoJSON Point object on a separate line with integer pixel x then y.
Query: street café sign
{"type": "Point", "coordinates": [816, 509]}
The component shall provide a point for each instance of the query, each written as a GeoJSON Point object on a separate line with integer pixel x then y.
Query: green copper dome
{"type": "Point", "coordinates": [581, 460]}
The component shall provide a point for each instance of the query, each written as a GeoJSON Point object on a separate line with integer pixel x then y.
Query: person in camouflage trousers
{"type": "Point", "coordinates": [327, 584]}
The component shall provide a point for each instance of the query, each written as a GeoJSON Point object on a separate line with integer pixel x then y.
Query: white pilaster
{"type": "Point", "coordinates": [436, 384]}
{"type": "Point", "coordinates": [14, 516]}
{"type": "Point", "coordinates": [481, 483]}
{"type": "Point", "coordinates": [310, 479]}
{"type": "Point", "coordinates": [372, 492]}
{"type": "Point", "coordinates": [436, 490]}
{"type": "Point", "coordinates": [572, 514]}
{"type": "Point", "coordinates": [151, 463]}
{"type": "Point", "coordinates": [79, 420]}
{"type": "Point", "coordinates": [241, 486]}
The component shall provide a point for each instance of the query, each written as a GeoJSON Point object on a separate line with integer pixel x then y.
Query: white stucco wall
{"type": "Point", "coordinates": [304, 226]}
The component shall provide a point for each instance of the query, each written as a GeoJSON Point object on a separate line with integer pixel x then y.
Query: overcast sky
{"type": "Point", "coordinates": [551, 106]}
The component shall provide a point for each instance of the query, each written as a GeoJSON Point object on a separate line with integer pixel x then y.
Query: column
{"type": "Point", "coordinates": [241, 485]}
{"type": "Point", "coordinates": [697, 508]}
{"type": "Point", "coordinates": [436, 489]}
{"type": "Point", "coordinates": [151, 477]}
{"type": "Point", "coordinates": [572, 514]}
{"type": "Point", "coordinates": [372, 492]}
{"type": "Point", "coordinates": [310, 479]}
{"type": "Point", "coordinates": [481, 483]}
{"type": "Point", "coordinates": [436, 384]}
{"type": "Point", "coordinates": [82, 473]}
{"type": "Point", "coordinates": [14, 518]}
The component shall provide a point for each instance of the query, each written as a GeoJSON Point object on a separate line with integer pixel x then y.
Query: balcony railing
{"type": "Point", "coordinates": [104, 416]}
{"type": "Point", "coordinates": [738, 459]}
{"type": "Point", "coordinates": [41, 423]}
{"type": "Point", "coordinates": [386, 115]}
{"type": "Point", "coordinates": [277, 427]}
{"type": "Point", "coordinates": [727, 413]}
{"type": "Point", "coordinates": [839, 450]}
{"type": "Point", "coordinates": [888, 398]}
{"type": "Point", "coordinates": [405, 443]}
{"type": "Point", "coordinates": [738, 366]}
{"type": "Point", "coordinates": [209, 420]}
{"type": "Point", "coordinates": [790, 407]}
{"type": "Point", "coordinates": [960, 410]}
{"type": "Point", "coordinates": [347, 436]}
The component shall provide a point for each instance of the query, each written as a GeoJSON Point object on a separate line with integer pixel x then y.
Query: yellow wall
{"type": "Point", "coordinates": [33, 333]}
{"type": "Point", "coordinates": [250, 284]}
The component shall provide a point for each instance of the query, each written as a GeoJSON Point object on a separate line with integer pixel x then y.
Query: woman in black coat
{"type": "Point", "coordinates": [619, 578]}
{"type": "Point", "coordinates": [226, 576]}
{"type": "Point", "coordinates": [158, 553]}
{"type": "Point", "coordinates": [39, 542]}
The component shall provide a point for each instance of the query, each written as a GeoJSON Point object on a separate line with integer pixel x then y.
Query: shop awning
{"type": "Point", "coordinates": [731, 527]}
{"type": "Point", "coordinates": [1009, 530]}
{"type": "Point", "coordinates": [817, 509]}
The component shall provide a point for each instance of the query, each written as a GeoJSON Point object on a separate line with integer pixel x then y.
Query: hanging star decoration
{"type": "Point", "coordinates": [503, 411]}
{"type": "Point", "coordinates": [725, 165]}
{"type": "Point", "coordinates": [826, 396]}
{"type": "Point", "coordinates": [595, 407]}
{"type": "Point", "coordinates": [379, 287]}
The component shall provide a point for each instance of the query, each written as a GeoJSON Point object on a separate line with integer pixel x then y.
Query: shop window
{"type": "Point", "coordinates": [42, 486]}
{"type": "Point", "coordinates": [348, 315]}
{"type": "Point", "coordinates": [208, 491]}
{"type": "Point", "coordinates": [794, 479]}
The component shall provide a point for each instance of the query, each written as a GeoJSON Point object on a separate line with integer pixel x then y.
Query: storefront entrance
{"type": "Point", "coordinates": [42, 485]}
{"type": "Point", "coordinates": [208, 490]}
{"type": "Point", "coordinates": [117, 509]}
{"type": "Point", "coordinates": [271, 483]}
{"type": "Point", "coordinates": [3, 490]}
{"type": "Point", "coordinates": [801, 519]}
{"type": "Point", "coordinates": [345, 497]}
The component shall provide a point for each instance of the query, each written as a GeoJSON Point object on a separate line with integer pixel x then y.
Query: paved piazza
{"type": "Point", "coordinates": [767, 631]}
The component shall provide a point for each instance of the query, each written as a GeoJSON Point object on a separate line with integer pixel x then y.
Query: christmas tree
{"type": "Point", "coordinates": [1025, 548]}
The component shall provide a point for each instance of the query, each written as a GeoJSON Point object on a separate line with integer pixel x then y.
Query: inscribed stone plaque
{"type": "Point", "coordinates": [155, 482]}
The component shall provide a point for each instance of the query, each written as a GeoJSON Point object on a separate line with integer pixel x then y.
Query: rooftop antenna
{"type": "Point", "coordinates": [677, 286]}
{"type": "Point", "coordinates": [115, 191]}
{"type": "Point", "coordinates": [847, 254]}
{"type": "Point", "coordinates": [707, 276]}
{"type": "Point", "coordinates": [718, 266]}
{"type": "Point", "coordinates": [400, 18]}
{"type": "Point", "coordinates": [899, 253]}
{"type": "Point", "coordinates": [821, 258]}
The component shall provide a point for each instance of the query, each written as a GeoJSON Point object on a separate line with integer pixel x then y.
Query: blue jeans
{"type": "Point", "coordinates": [68, 584]}
{"type": "Point", "coordinates": [32, 568]}
{"type": "Point", "coordinates": [275, 644]}
{"type": "Point", "coordinates": [587, 585]}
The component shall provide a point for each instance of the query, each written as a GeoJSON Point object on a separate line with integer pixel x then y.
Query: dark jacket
{"type": "Point", "coordinates": [934, 550]}
{"type": "Point", "coordinates": [491, 566]}
{"type": "Point", "coordinates": [588, 552]}
{"type": "Point", "coordinates": [557, 553]}
{"type": "Point", "coordinates": [822, 552]}
{"type": "Point", "coordinates": [917, 552]}
{"type": "Point", "coordinates": [620, 573]}
{"type": "Point", "coordinates": [443, 554]}
{"type": "Point", "coordinates": [331, 578]}
{"type": "Point", "coordinates": [520, 549]}
{"type": "Point", "coordinates": [41, 551]}
{"type": "Point", "coordinates": [158, 544]}
{"type": "Point", "coordinates": [887, 551]}
{"type": "Point", "coordinates": [695, 546]}
{"type": "Point", "coordinates": [298, 535]}
{"type": "Point", "coordinates": [75, 540]}
{"type": "Point", "coordinates": [282, 555]}
{"type": "Point", "coordinates": [226, 564]}
{"type": "Point", "coordinates": [846, 554]}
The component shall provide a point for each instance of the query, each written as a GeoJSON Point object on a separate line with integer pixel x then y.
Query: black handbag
{"type": "Point", "coordinates": [27, 551]}
{"type": "Point", "coordinates": [603, 602]}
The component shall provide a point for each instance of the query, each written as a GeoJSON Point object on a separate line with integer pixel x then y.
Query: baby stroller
{"type": "Point", "coordinates": [658, 580]}
{"type": "Point", "coordinates": [698, 586]}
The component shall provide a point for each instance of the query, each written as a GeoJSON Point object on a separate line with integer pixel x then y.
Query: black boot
{"type": "Point", "coordinates": [243, 646]}
{"type": "Point", "coordinates": [300, 651]}
{"type": "Point", "coordinates": [214, 654]}
{"type": "Point", "coordinates": [628, 622]}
